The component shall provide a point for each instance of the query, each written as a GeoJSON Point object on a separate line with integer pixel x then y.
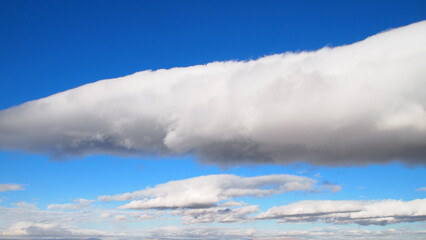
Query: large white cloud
{"type": "Point", "coordinates": [354, 104]}
{"type": "Point", "coordinates": [208, 191]}
{"type": "Point", "coordinates": [379, 212]}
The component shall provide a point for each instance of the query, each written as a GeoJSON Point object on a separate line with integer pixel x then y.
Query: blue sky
{"type": "Point", "coordinates": [61, 155]}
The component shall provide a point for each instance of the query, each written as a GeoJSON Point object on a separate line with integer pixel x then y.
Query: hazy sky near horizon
{"type": "Point", "coordinates": [212, 120]}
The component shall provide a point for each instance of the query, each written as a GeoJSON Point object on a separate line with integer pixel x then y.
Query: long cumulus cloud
{"type": "Point", "coordinates": [349, 105]}
{"type": "Point", "coordinates": [208, 191]}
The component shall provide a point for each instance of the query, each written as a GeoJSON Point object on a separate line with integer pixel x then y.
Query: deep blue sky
{"type": "Point", "coordinates": [51, 46]}
{"type": "Point", "coordinates": [48, 47]}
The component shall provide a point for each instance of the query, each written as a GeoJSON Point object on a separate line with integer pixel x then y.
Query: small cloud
{"type": "Point", "coordinates": [77, 205]}
{"type": "Point", "coordinates": [327, 186]}
{"type": "Point", "coordinates": [24, 205]}
{"type": "Point", "coordinates": [217, 214]}
{"type": "Point", "coordinates": [105, 215]}
{"type": "Point", "coordinates": [422, 189]}
{"type": "Point", "coordinates": [233, 204]}
{"type": "Point", "coordinates": [317, 175]}
{"type": "Point", "coordinates": [11, 187]}
{"type": "Point", "coordinates": [121, 218]}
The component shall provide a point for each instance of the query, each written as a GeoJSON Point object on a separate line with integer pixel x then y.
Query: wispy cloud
{"type": "Point", "coordinates": [422, 189]}
{"type": "Point", "coordinates": [380, 212]}
{"type": "Point", "coordinates": [78, 204]}
{"type": "Point", "coordinates": [349, 105]}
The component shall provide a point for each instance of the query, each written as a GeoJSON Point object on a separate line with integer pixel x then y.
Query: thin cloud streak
{"type": "Point", "coordinates": [77, 205]}
{"type": "Point", "coordinates": [378, 212]}
{"type": "Point", "coordinates": [11, 187]}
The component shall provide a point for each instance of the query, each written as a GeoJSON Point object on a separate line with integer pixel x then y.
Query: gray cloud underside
{"type": "Point", "coordinates": [216, 214]}
{"type": "Point", "coordinates": [348, 105]}
{"type": "Point", "coordinates": [380, 212]}
{"type": "Point", "coordinates": [208, 191]}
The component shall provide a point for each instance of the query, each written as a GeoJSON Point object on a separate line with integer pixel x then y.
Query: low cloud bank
{"type": "Point", "coordinates": [378, 212]}
{"type": "Point", "coordinates": [349, 105]}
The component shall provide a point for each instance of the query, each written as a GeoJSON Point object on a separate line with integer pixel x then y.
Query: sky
{"type": "Point", "coordinates": [225, 120]}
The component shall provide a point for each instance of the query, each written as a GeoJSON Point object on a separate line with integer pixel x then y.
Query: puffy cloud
{"type": "Point", "coordinates": [10, 187]}
{"type": "Point", "coordinates": [207, 191]}
{"type": "Point", "coordinates": [381, 212]}
{"type": "Point", "coordinates": [347, 105]}
{"type": "Point", "coordinates": [77, 205]}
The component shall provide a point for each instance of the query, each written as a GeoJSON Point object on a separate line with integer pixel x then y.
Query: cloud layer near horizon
{"type": "Point", "coordinates": [349, 105]}
{"type": "Point", "coordinates": [379, 212]}
{"type": "Point", "coordinates": [25, 221]}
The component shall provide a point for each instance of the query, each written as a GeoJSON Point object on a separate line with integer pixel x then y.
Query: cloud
{"type": "Point", "coordinates": [25, 221]}
{"type": "Point", "coordinates": [10, 187]}
{"type": "Point", "coordinates": [422, 189]}
{"type": "Point", "coordinates": [327, 186]}
{"type": "Point", "coordinates": [121, 218]}
{"type": "Point", "coordinates": [77, 205]}
{"type": "Point", "coordinates": [202, 232]}
{"type": "Point", "coordinates": [47, 229]}
{"type": "Point", "coordinates": [207, 191]}
{"type": "Point", "coordinates": [105, 215]}
{"type": "Point", "coordinates": [379, 212]}
{"type": "Point", "coordinates": [216, 214]}
{"type": "Point", "coordinates": [349, 105]}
